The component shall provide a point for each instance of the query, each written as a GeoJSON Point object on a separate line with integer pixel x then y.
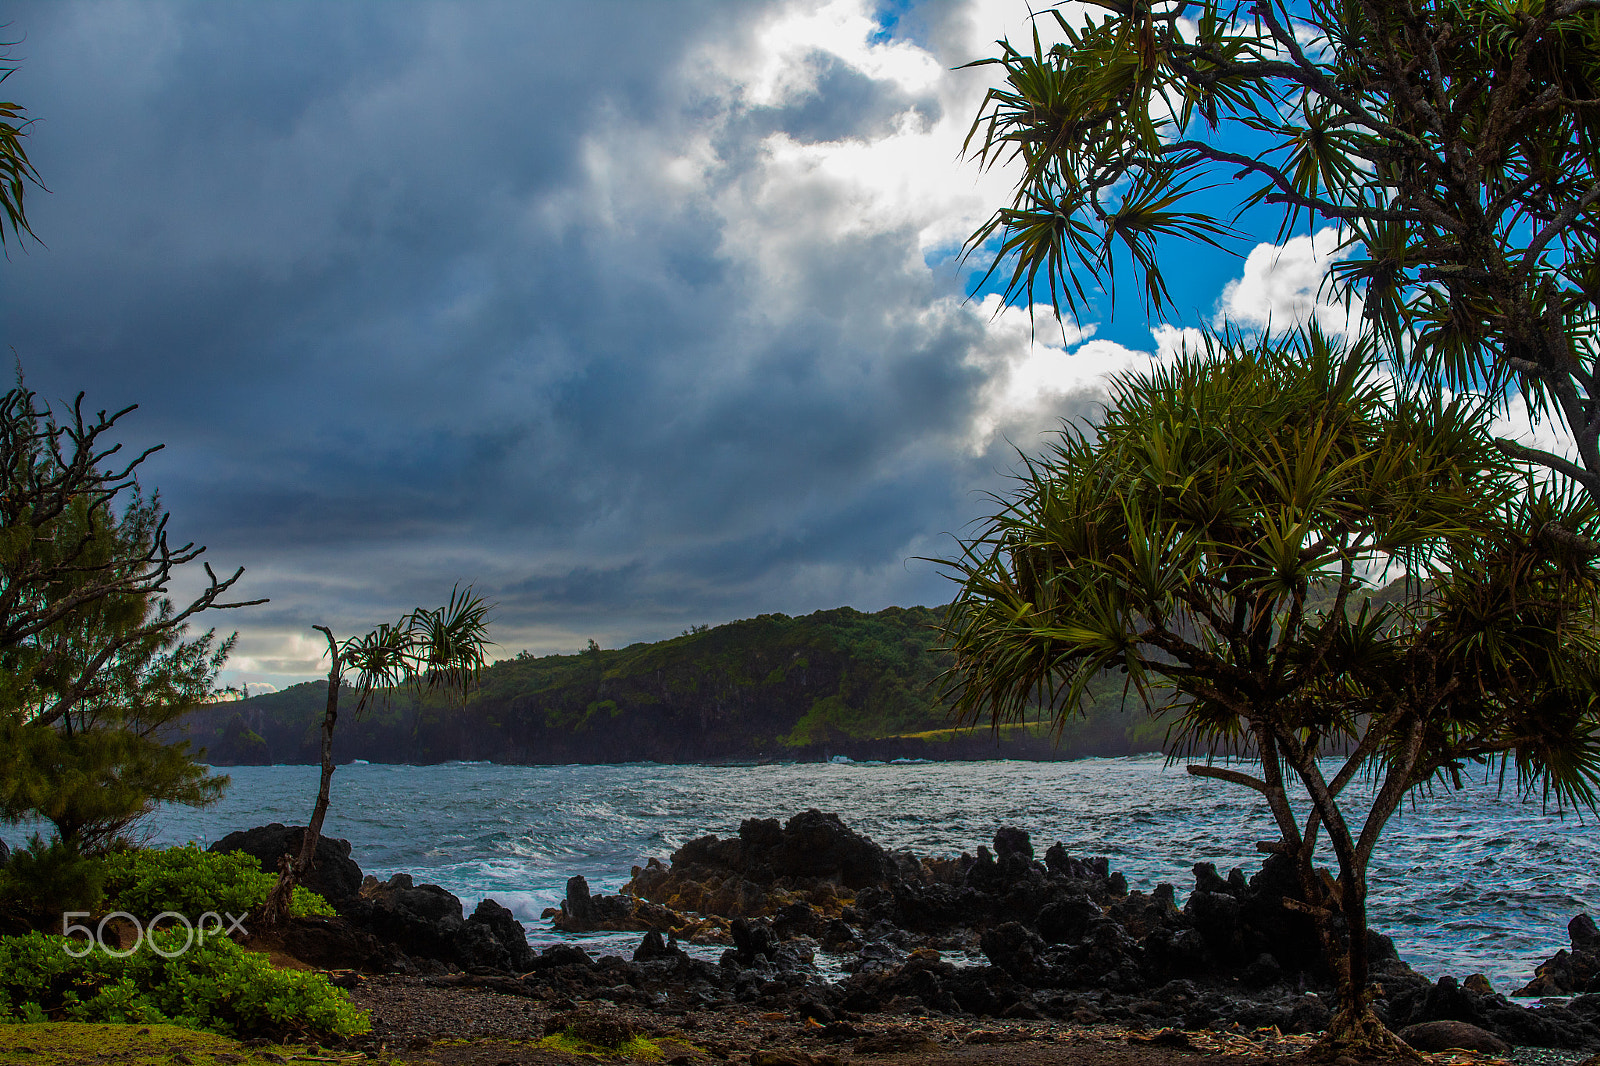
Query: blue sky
{"type": "Point", "coordinates": [634, 316]}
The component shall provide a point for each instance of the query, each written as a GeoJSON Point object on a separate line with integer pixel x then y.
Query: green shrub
{"type": "Point", "coordinates": [213, 984]}
{"type": "Point", "coordinates": [191, 881]}
{"type": "Point", "coordinates": [42, 880]}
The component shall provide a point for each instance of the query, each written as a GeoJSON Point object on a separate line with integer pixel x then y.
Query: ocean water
{"type": "Point", "coordinates": [1471, 881]}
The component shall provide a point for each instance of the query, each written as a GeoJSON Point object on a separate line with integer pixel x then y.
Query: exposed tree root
{"type": "Point", "coordinates": [1357, 1034]}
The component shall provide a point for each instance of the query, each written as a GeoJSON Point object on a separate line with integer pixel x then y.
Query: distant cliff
{"type": "Point", "coordinates": [836, 682]}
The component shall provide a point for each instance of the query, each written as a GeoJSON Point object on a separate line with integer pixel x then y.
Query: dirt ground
{"type": "Point", "coordinates": [413, 1023]}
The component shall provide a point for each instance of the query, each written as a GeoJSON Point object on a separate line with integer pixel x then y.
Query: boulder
{"type": "Point", "coordinates": [579, 902]}
{"type": "Point", "coordinates": [1009, 842]}
{"type": "Point", "coordinates": [507, 945]}
{"type": "Point", "coordinates": [1569, 973]}
{"type": "Point", "coordinates": [1449, 1035]}
{"type": "Point", "coordinates": [585, 912]}
{"type": "Point", "coordinates": [333, 874]}
{"type": "Point", "coordinates": [654, 947]}
{"type": "Point", "coordinates": [558, 956]}
{"type": "Point", "coordinates": [1067, 919]}
{"type": "Point", "coordinates": [752, 940]}
{"type": "Point", "coordinates": [1014, 948]}
{"type": "Point", "coordinates": [1060, 864]}
{"type": "Point", "coordinates": [813, 858]}
{"type": "Point", "coordinates": [1584, 934]}
{"type": "Point", "coordinates": [338, 944]}
{"type": "Point", "coordinates": [425, 922]}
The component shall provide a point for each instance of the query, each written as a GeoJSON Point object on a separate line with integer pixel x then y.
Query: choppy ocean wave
{"type": "Point", "coordinates": [1470, 881]}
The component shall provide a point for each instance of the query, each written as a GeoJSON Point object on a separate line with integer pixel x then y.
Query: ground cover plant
{"type": "Point", "coordinates": [73, 1043]}
{"type": "Point", "coordinates": [41, 881]}
{"type": "Point", "coordinates": [211, 984]}
{"type": "Point", "coordinates": [190, 881]}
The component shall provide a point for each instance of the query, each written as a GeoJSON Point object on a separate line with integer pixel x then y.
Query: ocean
{"type": "Point", "coordinates": [1472, 881]}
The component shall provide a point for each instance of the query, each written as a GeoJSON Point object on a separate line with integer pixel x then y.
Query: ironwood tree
{"type": "Point", "coordinates": [96, 663]}
{"type": "Point", "coordinates": [1453, 143]}
{"type": "Point", "coordinates": [1210, 541]}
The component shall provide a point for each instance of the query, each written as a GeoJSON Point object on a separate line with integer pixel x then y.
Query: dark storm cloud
{"type": "Point", "coordinates": [411, 298]}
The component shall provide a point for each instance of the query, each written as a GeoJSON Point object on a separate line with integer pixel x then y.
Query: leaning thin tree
{"type": "Point", "coordinates": [425, 651]}
{"type": "Point", "coordinates": [1210, 540]}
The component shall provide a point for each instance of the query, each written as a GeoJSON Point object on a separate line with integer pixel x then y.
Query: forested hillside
{"type": "Point", "coordinates": [836, 682]}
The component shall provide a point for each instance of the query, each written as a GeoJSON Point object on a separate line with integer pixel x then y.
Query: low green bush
{"type": "Point", "coordinates": [211, 984]}
{"type": "Point", "coordinates": [42, 880]}
{"type": "Point", "coordinates": [192, 881]}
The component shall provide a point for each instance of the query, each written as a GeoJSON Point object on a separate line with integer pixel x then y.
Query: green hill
{"type": "Point", "coordinates": [836, 682]}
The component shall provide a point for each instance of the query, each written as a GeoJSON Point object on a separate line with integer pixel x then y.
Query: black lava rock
{"type": "Point", "coordinates": [333, 874]}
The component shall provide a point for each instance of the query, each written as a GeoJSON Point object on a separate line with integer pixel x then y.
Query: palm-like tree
{"type": "Point", "coordinates": [16, 173]}
{"type": "Point", "coordinates": [425, 651]}
{"type": "Point", "coordinates": [1454, 144]}
{"type": "Point", "coordinates": [1210, 542]}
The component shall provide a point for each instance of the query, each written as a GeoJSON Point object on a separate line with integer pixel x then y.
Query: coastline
{"type": "Point", "coordinates": [516, 834]}
{"type": "Point", "coordinates": [959, 944]}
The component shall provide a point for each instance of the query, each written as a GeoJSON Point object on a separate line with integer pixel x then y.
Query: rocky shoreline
{"type": "Point", "coordinates": [1001, 937]}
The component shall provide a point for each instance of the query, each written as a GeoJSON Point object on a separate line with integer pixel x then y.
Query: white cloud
{"type": "Point", "coordinates": [1516, 423]}
{"type": "Point", "coordinates": [1286, 285]}
{"type": "Point", "coordinates": [266, 652]}
{"type": "Point", "coordinates": [777, 65]}
{"type": "Point", "coordinates": [1038, 377]}
{"type": "Point", "coordinates": [1172, 342]}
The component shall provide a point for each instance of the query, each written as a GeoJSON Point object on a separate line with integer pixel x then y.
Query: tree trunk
{"type": "Point", "coordinates": [319, 812]}
{"type": "Point", "coordinates": [1356, 1031]}
{"type": "Point", "coordinates": [275, 911]}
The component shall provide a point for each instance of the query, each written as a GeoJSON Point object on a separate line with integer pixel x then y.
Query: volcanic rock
{"type": "Point", "coordinates": [1570, 973]}
{"type": "Point", "coordinates": [425, 921]}
{"type": "Point", "coordinates": [813, 858]}
{"type": "Point", "coordinates": [583, 912]}
{"type": "Point", "coordinates": [338, 944]}
{"type": "Point", "coordinates": [333, 875]}
{"type": "Point", "coordinates": [1446, 1036]}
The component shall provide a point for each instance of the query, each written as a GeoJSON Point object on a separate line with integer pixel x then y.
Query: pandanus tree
{"type": "Point", "coordinates": [425, 652]}
{"type": "Point", "coordinates": [16, 172]}
{"type": "Point", "coordinates": [1452, 145]}
{"type": "Point", "coordinates": [1212, 541]}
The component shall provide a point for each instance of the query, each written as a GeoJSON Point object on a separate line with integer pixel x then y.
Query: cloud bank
{"type": "Point", "coordinates": [633, 316]}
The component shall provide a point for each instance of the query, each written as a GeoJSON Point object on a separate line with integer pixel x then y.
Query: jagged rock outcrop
{"type": "Point", "coordinates": [1065, 938]}
{"type": "Point", "coordinates": [814, 858]}
{"type": "Point", "coordinates": [393, 925]}
{"type": "Point", "coordinates": [426, 922]}
{"type": "Point", "coordinates": [998, 934]}
{"type": "Point", "coordinates": [585, 912]}
{"type": "Point", "coordinates": [1569, 973]}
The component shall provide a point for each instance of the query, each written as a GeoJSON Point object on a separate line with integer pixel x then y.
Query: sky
{"type": "Point", "coordinates": [632, 316]}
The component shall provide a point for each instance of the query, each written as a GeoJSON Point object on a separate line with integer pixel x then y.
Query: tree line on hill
{"type": "Point", "coordinates": [836, 682]}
